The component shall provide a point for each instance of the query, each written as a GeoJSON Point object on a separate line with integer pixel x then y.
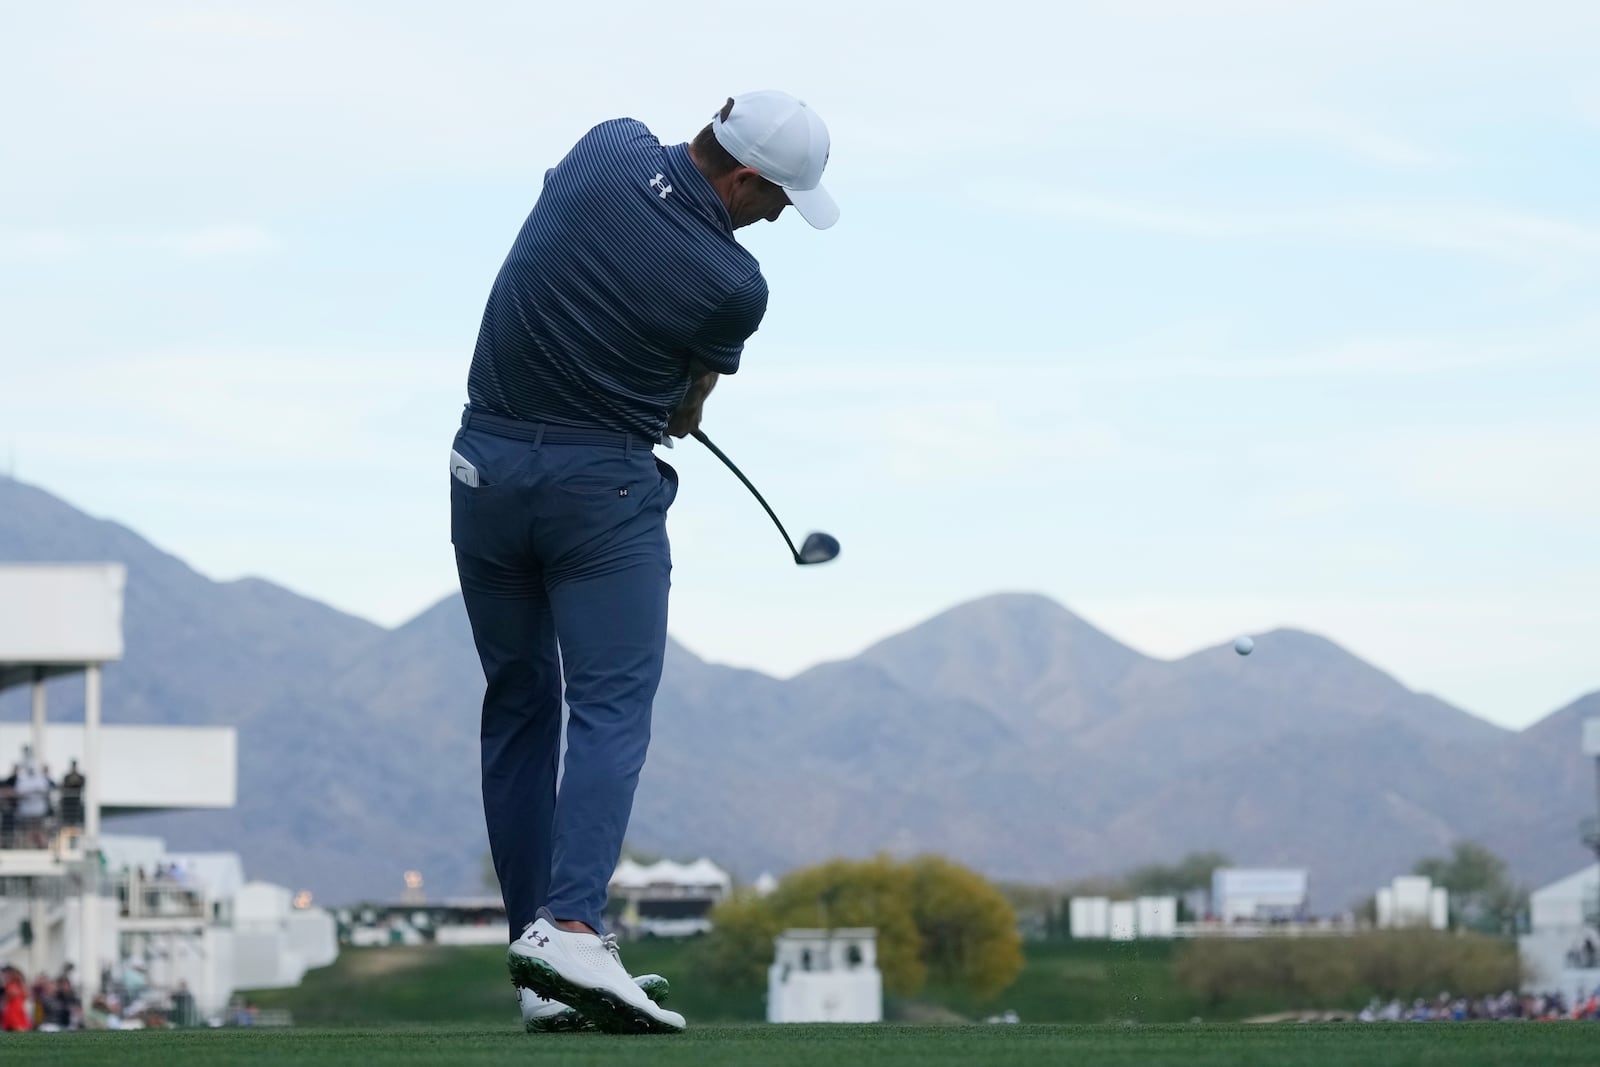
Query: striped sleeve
{"type": "Point", "coordinates": [720, 339]}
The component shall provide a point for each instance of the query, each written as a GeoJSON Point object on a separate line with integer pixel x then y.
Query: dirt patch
{"type": "Point", "coordinates": [922, 1013]}
{"type": "Point", "coordinates": [377, 962]}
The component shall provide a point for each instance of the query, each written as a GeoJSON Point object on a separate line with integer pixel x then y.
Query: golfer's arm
{"type": "Point", "coordinates": [702, 380]}
{"type": "Point", "coordinates": [716, 347]}
{"type": "Point", "coordinates": [687, 418]}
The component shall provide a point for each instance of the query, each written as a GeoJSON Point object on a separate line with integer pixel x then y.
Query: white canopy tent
{"type": "Point", "coordinates": [701, 874]}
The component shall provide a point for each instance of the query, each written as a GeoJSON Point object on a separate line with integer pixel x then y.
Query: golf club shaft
{"type": "Point", "coordinates": [715, 451]}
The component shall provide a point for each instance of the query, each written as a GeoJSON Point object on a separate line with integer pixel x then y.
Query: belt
{"type": "Point", "coordinates": [552, 433]}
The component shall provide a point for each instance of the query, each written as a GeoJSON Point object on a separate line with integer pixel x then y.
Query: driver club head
{"type": "Point", "coordinates": [818, 548]}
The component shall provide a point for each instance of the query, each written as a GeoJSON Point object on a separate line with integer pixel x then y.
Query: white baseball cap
{"type": "Point", "coordinates": [785, 142]}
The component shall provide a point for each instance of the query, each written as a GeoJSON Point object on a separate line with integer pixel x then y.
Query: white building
{"type": "Point", "coordinates": [1101, 918]}
{"type": "Point", "coordinates": [1089, 918]}
{"type": "Point", "coordinates": [661, 899]}
{"type": "Point", "coordinates": [1561, 950]}
{"type": "Point", "coordinates": [1156, 917]}
{"type": "Point", "coordinates": [825, 976]}
{"type": "Point", "coordinates": [192, 917]}
{"type": "Point", "coordinates": [69, 892]}
{"type": "Point", "coordinates": [1412, 900]}
{"type": "Point", "coordinates": [1256, 894]}
{"type": "Point", "coordinates": [667, 899]}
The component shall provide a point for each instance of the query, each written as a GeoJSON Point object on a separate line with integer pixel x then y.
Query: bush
{"type": "Point", "coordinates": [931, 915]}
{"type": "Point", "coordinates": [1335, 971]}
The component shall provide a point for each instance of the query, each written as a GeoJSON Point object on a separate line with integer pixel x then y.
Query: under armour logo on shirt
{"type": "Point", "coordinates": [659, 183]}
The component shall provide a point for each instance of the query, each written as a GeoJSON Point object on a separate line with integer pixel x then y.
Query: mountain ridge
{"type": "Point", "coordinates": [1005, 731]}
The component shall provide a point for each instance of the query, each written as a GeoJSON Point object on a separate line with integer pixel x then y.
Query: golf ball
{"type": "Point", "coordinates": [1244, 646]}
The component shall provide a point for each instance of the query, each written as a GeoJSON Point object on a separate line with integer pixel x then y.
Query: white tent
{"type": "Point", "coordinates": [701, 874]}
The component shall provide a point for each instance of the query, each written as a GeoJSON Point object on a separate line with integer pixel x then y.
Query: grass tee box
{"type": "Point", "coordinates": [1333, 1045]}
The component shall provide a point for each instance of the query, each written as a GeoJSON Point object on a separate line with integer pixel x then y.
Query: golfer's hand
{"type": "Point", "coordinates": [684, 421]}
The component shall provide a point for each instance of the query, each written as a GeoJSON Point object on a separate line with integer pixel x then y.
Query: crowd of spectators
{"type": "Point", "coordinates": [125, 1002]}
{"type": "Point", "coordinates": [1545, 1007]}
{"type": "Point", "coordinates": [34, 806]}
{"type": "Point", "coordinates": [50, 1003]}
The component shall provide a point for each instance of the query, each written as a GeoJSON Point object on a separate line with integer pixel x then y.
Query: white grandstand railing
{"type": "Point", "coordinates": [147, 899]}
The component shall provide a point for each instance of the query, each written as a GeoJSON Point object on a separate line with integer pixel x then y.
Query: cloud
{"type": "Point", "coordinates": [62, 244]}
{"type": "Point", "coordinates": [1480, 229]}
{"type": "Point", "coordinates": [1517, 470]}
{"type": "Point", "coordinates": [232, 241]}
{"type": "Point", "coordinates": [220, 24]}
{"type": "Point", "coordinates": [261, 406]}
{"type": "Point", "coordinates": [369, 93]}
{"type": "Point", "coordinates": [1057, 378]}
{"type": "Point", "coordinates": [38, 246]}
{"type": "Point", "coordinates": [1343, 133]}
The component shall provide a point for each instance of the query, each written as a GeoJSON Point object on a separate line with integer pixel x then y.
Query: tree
{"type": "Point", "coordinates": [1192, 872]}
{"type": "Point", "coordinates": [968, 928]}
{"type": "Point", "coordinates": [1482, 892]}
{"type": "Point", "coordinates": [933, 917]}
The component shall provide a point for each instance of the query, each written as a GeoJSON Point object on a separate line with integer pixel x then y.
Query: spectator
{"type": "Point", "coordinates": [66, 1010]}
{"type": "Point", "coordinates": [43, 988]}
{"type": "Point", "coordinates": [33, 803]}
{"type": "Point", "coordinates": [183, 1013]}
{"type": "Point", "coordinates": [14, 1014]}
{"type": "Point", "coordinates": [8, 809]}
{"type": "Point", "coordinates": [72, 784]}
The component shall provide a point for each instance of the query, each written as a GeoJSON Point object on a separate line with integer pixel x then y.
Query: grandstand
{"type": "Point", "coordinates": [133, 920]}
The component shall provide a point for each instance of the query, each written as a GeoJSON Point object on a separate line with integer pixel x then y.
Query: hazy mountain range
{"type": "Point", "coordinates": [1007, 733]}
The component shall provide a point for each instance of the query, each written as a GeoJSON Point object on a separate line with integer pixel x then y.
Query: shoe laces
{"type": "Point", "coordinates": [610, 943]}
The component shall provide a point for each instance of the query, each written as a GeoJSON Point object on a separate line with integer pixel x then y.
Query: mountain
{"type": "Point", "coordinates": [1008, 733]}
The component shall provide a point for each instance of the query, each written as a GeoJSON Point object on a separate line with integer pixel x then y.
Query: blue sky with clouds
{"type": "Point", "coordinates": [1199, 321]}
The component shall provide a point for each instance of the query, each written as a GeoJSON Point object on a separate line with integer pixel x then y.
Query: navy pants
{"type": "Point", "coordinates": [562, 553]}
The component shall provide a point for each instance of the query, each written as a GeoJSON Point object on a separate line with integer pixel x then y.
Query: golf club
{"type": "Point", "coordinates": [818, 547]}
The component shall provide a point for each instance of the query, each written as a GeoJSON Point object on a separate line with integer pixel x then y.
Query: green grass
{"type": "Point", "coordinates": [1211, 1045]}
{"type": "Point", "coordinates": [454, 986]}
{"type": "Point", "coordinates": [1089, 982]}
{"type": "Point", "coordinates": [1080, 982]}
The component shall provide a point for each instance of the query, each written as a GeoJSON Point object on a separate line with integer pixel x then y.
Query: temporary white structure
{"type": "Point", "coordinates": [825, 976]}
{"type": "Point", "coordinates": [65, 619]}
{"type": "Point", "coordinates": [702, 874]}
{"type": "Point", "coordinates": [669, 899]}
{"type": "Point", "coordinates": [60, 619]}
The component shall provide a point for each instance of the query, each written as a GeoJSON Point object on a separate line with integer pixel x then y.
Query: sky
{"type": "Point", "coordinates": [1200, 319]}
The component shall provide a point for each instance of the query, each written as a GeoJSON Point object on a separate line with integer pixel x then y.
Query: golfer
{"type": "Point", "coordinates": [623, 299]}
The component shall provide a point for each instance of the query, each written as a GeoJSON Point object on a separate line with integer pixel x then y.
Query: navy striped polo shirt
{"type": "Point", "coordinates": [626, 269]}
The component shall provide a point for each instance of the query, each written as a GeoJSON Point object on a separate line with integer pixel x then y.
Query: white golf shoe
{"type": "Point", "coordinates": [541, 1015]}
{"type": "Point", "coordinates": [584, 971]}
